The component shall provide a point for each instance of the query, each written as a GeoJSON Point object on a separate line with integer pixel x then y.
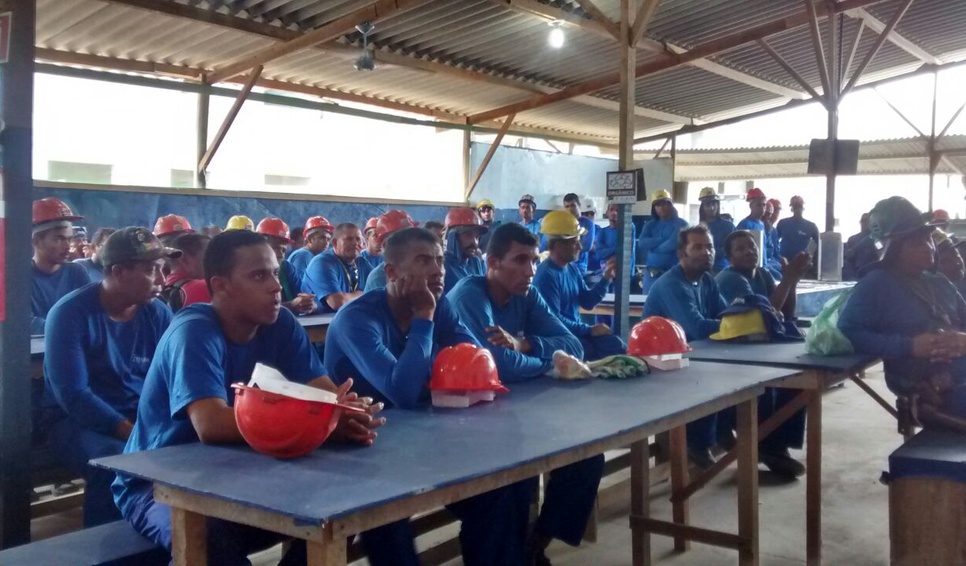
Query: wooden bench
{"type": "Point", "coordinates": [927, 499]}
{"type": "Point", "coordinates": [113, 544]}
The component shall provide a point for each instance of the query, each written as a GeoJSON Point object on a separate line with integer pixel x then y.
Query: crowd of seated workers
{"type": "Point", "coordinates": [145, 333]}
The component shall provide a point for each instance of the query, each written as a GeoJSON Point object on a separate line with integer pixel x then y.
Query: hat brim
{"type": "Point", "coordinates": [905, 232]}
{"type": "Point", "coordinates": [44, 226]}
{"type": "Point", "coordinates": [465, 227]}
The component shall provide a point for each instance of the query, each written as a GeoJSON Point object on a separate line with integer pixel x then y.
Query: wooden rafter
{"type": "Point", "coordinates": [790, 70]}
{"type": "Point", "coordinates": [489, 155]}
{"type": "Point", "coordinates": [643, 19]}
{"type": "Point", "coordinates": [875, 46]}
{"type": "Point", "coordinates": [897, 39]}
{"type": "Point", "coordinates": [229, 119]}
{"type": "Point", "coordinates": [601, 18]}
{"type": "Point", "coordinates": [816, 35]}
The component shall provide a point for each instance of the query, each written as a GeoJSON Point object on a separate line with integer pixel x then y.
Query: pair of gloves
{"type": "Point", "coordinates": [619, 366]}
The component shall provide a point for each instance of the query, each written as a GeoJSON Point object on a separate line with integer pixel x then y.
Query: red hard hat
{"type": "Point", "coordinates": [316, 222]}
{"type": "Point", "coordinates": [274, 227]}
{"type": "Point", "coordinates": [392, 221]}
{"type": "Point", "coordinates": [171, 224]}
{"type": "Point", "coordinates": [51, 209]}
{"type": "Point", "coordinates": [371, 224]}
{"type": "Point", "coordinates": [755, 193]}
{"type": "Point", "coordinates": [282, 426]}
{"type": "Point", "coordinates": [777, 204]}
{"type": "Point", "coordinates": [465, 367]}
{"type": "Point", "coordinates": [796, 200]}
{"type": "Point", "coordinates": [463, 216]}
{"type": "Point", "coordinates": [940, 215]}
{"type": "Point", "coordinates": [656, 336]}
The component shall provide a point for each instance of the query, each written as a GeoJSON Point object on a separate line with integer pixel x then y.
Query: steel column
{"type": "Point", "coordinates": [628, 64]}
{"type": "Point", "coordinates": [833, 98]}
{"type": "Point", "coordinates": [204, 103]}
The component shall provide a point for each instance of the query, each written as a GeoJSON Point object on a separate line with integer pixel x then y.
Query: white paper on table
{"type": "Point", "coordinates": [270, 379]}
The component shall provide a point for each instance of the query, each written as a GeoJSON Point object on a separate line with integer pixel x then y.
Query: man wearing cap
{"type": "Point", "coordinates": [53, 275]}
{"type": "Point", "coordinates": [689, 295]}
{"type": "Point", "coordinates": [486, 210]}
{"type": "Point", "coordinates": [291, 278]}
{"type": "Point", "coordinates": [170, 226]}
{"type": "Point", "coordinates": [78, 243]}
{"type": "Point", "coordinates": [859, 251]}
{"type": "Point", "coordinates": [794, 233]}
{"type": "Point", "coordinates": [187, 395]}
{"type": "Point", "coordinates": [755, 221]}
{"type": "Point", "coordinates": [463, 255]}
{"type": "Point", "coordinates": [709, 214]}
{"type": "Point", "coordinates": [588, 241]}
{"type": "Point", "coordinates": [505, 313]}
{"type": "Point", "coordinates": [372, 255]}
{"type": "Point", "coordinates": [337, 278]}
{"type": "Point", "coordinates": [100, 340]}
{"type": "Point", "coordinates": [185, 283]}
{"type": "Point", "coordinates": [773, 256]}
{"type": "Point", "coordinates": [562, 286]}
{"type": "Point", "coordinates": [527, 208]}
{"type": "Point", "coordinates": [92, 264]}
{"type": "Point", "coordinates": [386, 225]}
{"type": "Point", "coordinates": [317, 235]}
{"type": "Point", "coordinates": [588, 232]}
{"type": "Point", "coordinates": [240, 222]}
{"type": "Point", "coordinates": [658, 241]}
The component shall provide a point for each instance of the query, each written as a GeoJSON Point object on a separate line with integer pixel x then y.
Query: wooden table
{"type": "Point", "coordinates": [606, 305]}
{"type": "Point", "coordinates": [37, 348]}
{"type": "Point", "coordinates": [815, 374]}
{"type": "Point", "coordinates": [426, 459]}
{"type": "Point", "coordinates": [316, 325]}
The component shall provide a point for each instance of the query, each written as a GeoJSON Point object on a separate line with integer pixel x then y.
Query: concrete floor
{"type": "Point", "coordinates": [858, 438]}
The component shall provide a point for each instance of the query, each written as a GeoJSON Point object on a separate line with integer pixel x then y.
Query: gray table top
{"type": "Point", "coordinates": [789, 355]}
{"type": "Point", "coordinates": [419, 451]}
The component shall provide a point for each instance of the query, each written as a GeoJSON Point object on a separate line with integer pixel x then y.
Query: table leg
{"type": "Point", "coordinates": [189, 538]}
{"type": "Point", "coordinates": [748, 481]}
{"type": "Point", "coordinates": [330, 553]}
{"type": "Point", "coordinates": [813, 479]}
{"type": "Point", "coordinates": [640, 503]}
{"type": "Point", "coordinates": [679, 479]}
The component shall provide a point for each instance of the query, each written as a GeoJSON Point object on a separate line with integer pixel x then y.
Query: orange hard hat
{"type": "Point", "coordinates": [463, 216]}
{"type": "Point", "coordinates": [755, 193]}
{"type": "Point", "coordinates": [392, 221]}
{"type": "Point", "coordinates": [274, 227]}
{"type": "Point", "coordinates": [796, 201]}
{"type": "Point", "coordinates": [171, 224]}
{"type": "Point", "coordinates": [657, 336]}
{"type": "Point", "coordinates": [52, 209]}
{"type": "Point", "coordinates": [465, 367]}
{"type": "Point", "coordinates": [282, 426]}
{"type": "Point", "coordinates": [316, 223]}
{"type": "Point", "coordinates": [940, 215]}
{"type": "Point", "coordinates": [371, 224]}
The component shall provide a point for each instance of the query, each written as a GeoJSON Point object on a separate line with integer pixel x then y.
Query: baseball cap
{"type": "Point", "coordinates": [134, 243]}
{"type": "Point", "coordinates": [528, 198]}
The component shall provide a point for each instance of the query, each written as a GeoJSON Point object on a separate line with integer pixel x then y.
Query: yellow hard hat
{"type": "Point", "coordinates": [484, 203]}
{"type": "Point", "coordinates": [562, 224]}
{"type": "Point", "coordinates": [708, 192]}
{"type": "Point", "coordinates": [660, 194]}
{"type": "Point", "coordinates": [240, 222]}
{"type": "Point", "coordinates": [749, 325]}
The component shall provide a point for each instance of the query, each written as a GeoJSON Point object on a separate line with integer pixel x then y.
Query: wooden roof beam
{"type": "Point", "coordinates": [601, 18]}
{"type": "Point", "coordinates": [897, 39]}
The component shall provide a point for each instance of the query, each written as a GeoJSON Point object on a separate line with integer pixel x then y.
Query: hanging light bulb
{"type": "Point", "coordinates": [556, 37]}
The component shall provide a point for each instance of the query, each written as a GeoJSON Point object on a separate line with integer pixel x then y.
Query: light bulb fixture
{"type": "Point", "coordinates": [556, 37]}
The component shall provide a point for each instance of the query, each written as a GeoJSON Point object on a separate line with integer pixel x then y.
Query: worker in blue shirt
{"type": "Point", "coordinates": [572, 204]}
{"type": "Point", "coordinates": [387, 340]}
{"type": "Point", "coordinates": [949, 259]}
{"type": "Point", "coordinates": [859, 251]}
{"type": "Point", "coordinates": [386, 224]}
{"type": "Point", "coordinates": [53, 274]}
{"type": "Point", "coordinates": [795, 232]}
{"type": "Point", "coordinates": [658, 241]}
{"type": "Point", "coordinates": [527, 208]}
{"type": "Point", "coordinates": [505, 313]}
{"type": "Point", "coordinates": [773, 257]}
{"type": "Point", "coordinates": [607, 241]}
{"type": "Point", "coordinates": [99, 341]}
{"type": "Point", "coordinates": [339, 277]}
{"type": "Point", "coordinates": [92, 264]}
{"type": "Point", "coordinates": [742, 278]}
{"type": "Point", "coordinates": [372, 255]}
{"type": "Point", "coordinates": [187, 395]}
{"type": "Point", "coordinates": [316, 238]}
{"type": "Point", "coordinates": [688, 295]}
{"type": "Point", "coordinates": [588, 210]}
{"type": "Point", "coordinates": [487, 211]}
{"type": "Point", "coordinates": [755, 221]}
{"type": "Point", "coordinates": [562, 286]}
{"type": "Point", "coordinates": [294, 296]}
{"type": "Point", "coordinates": [463, 254]}
{"type": "Point", "coordinates": [709, 214]}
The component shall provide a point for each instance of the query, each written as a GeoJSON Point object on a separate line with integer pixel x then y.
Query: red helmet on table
{"type": "Point", "coordinates": [657, 336]}
{"type": "Point", "coordinates": [465, 367]}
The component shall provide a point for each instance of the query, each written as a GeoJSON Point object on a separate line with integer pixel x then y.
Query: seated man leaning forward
{"type": "Point", "coordinates": [506, 313]}
{"type": "Point", "coordinates": [100, 340]}
{"type": "Point", "coordinates": [339, 277]}
{"type": "Point", "coordinates": [187, 395]}
{"type": "Point", "coordinates": [562, 286]}
{"type": "Point", "coordinates": [387, 339]}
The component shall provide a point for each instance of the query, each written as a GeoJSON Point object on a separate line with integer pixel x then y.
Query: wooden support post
{"type": "Point", "coordinates": [229, 119]}
{"type": "Point", "coordinates": [817, 46]}
{"type": "Point", "coordinates": [329, 553]}
{"type": "Point", "coordinates": [489, 155]}
{"type": "Point", "coordinates": [748, 481]}
{"type": "Point", "coordinates": [189, 538]}
{"type": "Point", "coordinates": [643, 19]}
{"type": "Point", "coordinates": [832, 98]}
{"type": "Point", "coordinates": [813, 480]}
{"type": "Point", "coordinates": [640, 506]}
{"type": "Point", "coordinates": [875, 46]}
{"type": "Point", "coordinates": [625, 240]}
{"type": "Point", "coordinates": [680, 510]}
{"type": "Point", "coordinates": [467, 142]}
{"type": "Point", "coordinates": [201, 143]}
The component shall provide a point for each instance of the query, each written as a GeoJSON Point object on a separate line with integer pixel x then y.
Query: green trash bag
{"type": "Point", "coordinates": [824, 337]}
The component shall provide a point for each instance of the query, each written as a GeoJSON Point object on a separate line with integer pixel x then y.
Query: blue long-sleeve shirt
{"type": "Point", "coordinates": [48, 288]}
{"type": "Point", "coordinates": [697, 307]}
{"type": "Point", "coordinates": [300, 258]}
{"type": "Point", "coordinates": [377, 278]}
{"type": "Point", "coordinates": [770, 255]}
{"type": "Point", "coordinates": [658, 243]}
{"type": "Point", "coordinates": [794, 234]}
{"type": "Point", "coordinates": [883, 315]}
{"type": "Point", "coordinates": [328, 274]}
{"type": "Point", "coordinates": [292, 280]}
{"type": "Point", "coordinates": [365, 343]}
{"type": "Point", "coordinates": [586, 242]}
{"type": "Point", "coordinates": [533, 226]}
{"type": "Point", "coordinates": [749, 223]}
{"type": "Point", "coordinates": [565, 292]}
{"type": "Point", "coordinates": [524, 316]}
{"type": "Point", "coordinates": [458, 265]}
{"type": "Point", "coordinates": [94, 270]}
{"type": "Point", "coordinates": [94, 367]}
{"type": "Point", "coordinates": [720, 228]}
{"type": "Point", "coordinates": [607, 244]}
{"type": "Point", "coordinates": [733, 284]}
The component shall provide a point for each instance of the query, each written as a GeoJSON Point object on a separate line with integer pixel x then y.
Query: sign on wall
{"type": "Point", "coordinates": [625, 187]}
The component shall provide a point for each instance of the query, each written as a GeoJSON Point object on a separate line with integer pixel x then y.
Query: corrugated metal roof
{"type": "Point", "coordinates": [465, 57]}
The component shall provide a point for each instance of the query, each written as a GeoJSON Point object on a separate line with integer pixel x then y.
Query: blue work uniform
{"type": "Point", "coordinates": [485, 237]}
{"type": "Point", "coordinates": [377, 278]}
{"type": "Point", "coordinates": [300, 258]}
{"type": "Point", "coordinates": [607, 245]}
{"type": "Point", "coordinates": [291, 278]}
{"type": "Point", "coordinates": [588, 256]}
{"type": "Point", "coordinates": [394, 367]}
{"type": "Point", "coordinates": [791, 434]}
{"type": "Point", "coordinates": [328, 274]}
{"type": "Point", "coordinates": [194, 361]}
{"type": "Point", "coordinates": [48, 288]}
{"type": "Point", "coordinates": [458, 265]}
{"type": "Point", "coordinates": [94, 370]}
{"type": "Point", "coordinates": [697, 307]}
{"type": "Point", "coordinates": [94, 269]}
{"type": "Point", "coordinates": [372, 261]}
{"type": "Point", "coordinates": [658, 245]}
{"type": "Point", "coordinates": [533, 226]}
{"type": "Point", "coordinates": [794, 234]}
{"type": "Point", "coordinates": [564, 290]}
{"type": "Point", "coordinates": [570, 494]}
{"type": "Point", "coordinates": [770, 255]}
{"type": "Point", "coordinates": [720, 228]}
{"type": "Point", "coordinates": [859, 252]}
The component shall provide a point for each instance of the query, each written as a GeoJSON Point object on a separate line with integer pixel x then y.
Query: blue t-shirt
{"type": "Point", "coordinates": [794, 234]}
{"type": "Point", "coordinates": [300, 258]}
{"type": "Point", "coordinates": [372, 261]}
{"type": "Point", "coordinates": [195, 361]}
{"type": "Point", "coordinates": [533, 226]}
{"type": "Point", "coordinates": [377, 278]}
{"type": "Point", "coordinates": [607, 244]}
{"type": "Point", "coordinates": [697, 307]}
{"type": "Point", "coordinates": [292, 280]}
{"type": "Point", "coordinates": [94, 270]}
{"type": "Point", "coordinates": [94, 367]}
{"type": "Point", "coordinates": [365, 343]}
{"type": "Point", "coordinates": [48, 288]}
{"type": "Point", "coordinates": [328, 274]}
{"type": "Point", "coordinates": [524, 316]}
{"type": "Point", "coordinates": [733, 284]}
{"type": "Point", "coordinates": [564, 290]}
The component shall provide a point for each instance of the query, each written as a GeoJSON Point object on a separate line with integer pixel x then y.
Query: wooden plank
{"type": "Point", "coordinates": [813, 480]}
{"type": "Point", "coordinates": [791, 71]}
{"type": "Point", "coordinates": [189, 538]}
{"type": "Point", "coordinates": [329, 553]}
{"type": "Point", "coordinates": [812, 18]}
{"type": "Point", "coordinates": [643, 19]}
{"type": "Point", "coordinates": [640, 502]}
{"type": "Point", "coordinates": [680, 509]}
{"type": "Point", "coordinates": [697, 534]}
{"type": "Point", "coordinates": [489, 155]}
{"type": "Point", "coordinates": [875, 396]}
{"type": "Point", "coordinates": [229, 120]}
{"type": "Point", "coordinates": [748, 482]}
{"type": "Point", "coordinates": [601, 18]}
